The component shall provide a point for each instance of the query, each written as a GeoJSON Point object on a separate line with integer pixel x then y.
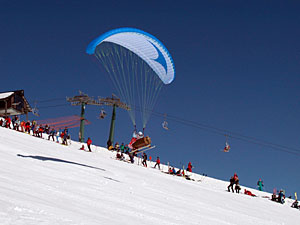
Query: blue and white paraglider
{"type": "Point", "coordinates": [138, 64]}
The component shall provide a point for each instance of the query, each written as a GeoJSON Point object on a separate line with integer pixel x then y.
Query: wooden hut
{"type": "Point", "coordinates": [13, 103]}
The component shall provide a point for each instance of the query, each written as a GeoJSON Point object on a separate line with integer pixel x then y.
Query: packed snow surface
{"type": "Point", "coordinates": [42, 182]}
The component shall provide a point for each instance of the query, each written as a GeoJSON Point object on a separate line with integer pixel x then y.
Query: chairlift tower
{"type": "Point", "coordinates": [83, 100]}
{"type": "Point", "coordinates": [115, 102]}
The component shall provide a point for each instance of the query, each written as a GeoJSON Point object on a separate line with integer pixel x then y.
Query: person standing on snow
{"type": "Point", "coordinates": [52, 133]}
{"type": "Point", "coordinates": [232, 181]}
{"type": "Point", "coordinates": [295, 204]}
{"type": "Point", "coordinates": [237, 187]}
{"type": "Point", "coordinates": [17, 124]}
{"type": "Point", "coordinates": [281, 197]}
{"type": "Point", "coordinates": [235, 177]}
{"type": "Point", "coordinates": [260, 184]}
{"type": "Point", "coordinates": [122, 148]}
{"type": "Point", "coordinates": [89, 142]}
{"type": "Point", "coordinates": [144, 162]}
{"type": "Point", "coordinates": [57, 136]}
{"type": "Point", "coordinates": [189, 168]}
{"type": "Point", "coordinates": [7, 122]}
{"type": "Point", "coordinates": [157, 163]}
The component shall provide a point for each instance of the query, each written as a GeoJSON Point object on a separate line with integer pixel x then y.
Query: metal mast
{"type": "Point", "coordinates": [83, 100]}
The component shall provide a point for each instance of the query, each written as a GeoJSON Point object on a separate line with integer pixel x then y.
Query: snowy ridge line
{"type": "Point", "coordinates": [55, 184]}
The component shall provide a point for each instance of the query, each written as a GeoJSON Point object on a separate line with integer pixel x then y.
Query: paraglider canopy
{"type": "Point", "coordinates": [138, 64]}
{"type": "Point", "coordinates": [143, 44]}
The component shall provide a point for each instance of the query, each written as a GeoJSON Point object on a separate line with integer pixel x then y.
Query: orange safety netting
{"type": "Point", "coordinates": [62, 122]}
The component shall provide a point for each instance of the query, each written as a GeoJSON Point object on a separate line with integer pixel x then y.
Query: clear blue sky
{"type": "Point", "coordinates": [237, 68]}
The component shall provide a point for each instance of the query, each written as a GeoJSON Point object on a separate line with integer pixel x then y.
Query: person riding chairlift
{"type": "Point", "coordinates": [102, 114]}
{"type": "Point", "coordinates": [227, 147]}
{"type": "Point", "coordinates": [135, 136]}
{"type": "Point", "coordinates": [165, 125]}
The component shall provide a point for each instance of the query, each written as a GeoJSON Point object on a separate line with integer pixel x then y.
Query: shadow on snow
{"type": "Point", "coordinates": [43, 158]}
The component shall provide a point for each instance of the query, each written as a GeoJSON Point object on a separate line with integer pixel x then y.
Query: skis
{"type": "Point", "coordinates": [151, 147]}
{"type": "Point", "coordinates": [142, 149]}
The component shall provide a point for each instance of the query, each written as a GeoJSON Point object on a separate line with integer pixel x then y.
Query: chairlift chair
{"type": "Point", "coordinates": [102, 114]}
{"type": "Point", "coordinates": [35, 110]}
{"type": "Point", "coordinates": [165, 123]}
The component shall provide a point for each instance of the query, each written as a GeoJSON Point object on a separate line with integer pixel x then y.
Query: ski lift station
{"type": "Point", "coordinates": [14, 103]}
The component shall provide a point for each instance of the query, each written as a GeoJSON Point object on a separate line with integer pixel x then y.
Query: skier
{"type": "Point", "coordinates": [144, 162]}
{"type": "Point", "coordinates": [172, 170]}
{"type": "Point", "coordinates": [63, 136]}
{"type": "Point", "coordinates": [109, 144]}
{"type": "Point", "coordinates": [57, 136]}
{"type": "Point", "coordinates": [118, 155]}
{"type": "Point", "coordinates": [235, 177]}
{"type": "Point", "coordinates": [15, 118]}
{"type": "Point", "coordinates": [66, 131]}
{"type": "Point", "coordinates": [260, 184]}
{"type": "Point", "coordinates": [179, 173]}
{"type": "Point", "coordinates": [295, 204]}
{"type": "Point", "coordinates": [157, 163]}
{"type": "Point", "coordinates": [281, 197]}
{"type": "Point", "coordinates": [89, 142]}
{"type": "Point", "coordinates": [232, 181]}
{"type": "Point", "coordinates": [41, 130]}
{"type": "Point", "coordinates": [33, 126]}
{"type": "Point", "coordinates": [122, 148]}
{"type": "Point", "coordinates": [47, 128]}
{"type": "Point", "coordinates": [246, 192]}
{"type": "Point", "coordinates": [7, 122]}
{"type": "Point", "coordinates": [117, 147]}
{"type": "Point", "coordinates": [189, 168]}
{"type": "Point", "coordinates": [131, 157]}
{"type": "Point", "coordinates": [23, 126]}
{"type": "Point", "coordinates": [17, 124]}
{"type": "Point", "coordinates": [237, 186]}
{"type": "Point", "coordinates": [52, 133]}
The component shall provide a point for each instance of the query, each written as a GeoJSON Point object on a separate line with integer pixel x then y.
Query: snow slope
{"type": "Point", "coordinates": [42, 182]}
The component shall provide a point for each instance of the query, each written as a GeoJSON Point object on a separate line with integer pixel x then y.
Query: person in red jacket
{"type": "Point", "coordinates": [190, 167]}
{"type": "Point", "coordinates": [157, 163]}
{"type": "Point", "coordinates": [7, 122]}
{"type": "Point", "coordinates": [235, 177]}
{"type": "Point", "coordinates": [89, 142]}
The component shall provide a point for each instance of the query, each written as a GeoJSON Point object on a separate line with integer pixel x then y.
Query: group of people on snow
{"type": "Point", "coordinates": [35, 129]}
{"type": "Point", "coordinates": [234, 180]}
{"type": "Point", "coordinates": [276, 196]}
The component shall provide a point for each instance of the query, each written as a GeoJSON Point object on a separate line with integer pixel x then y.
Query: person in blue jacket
{"type": "Point", "coordinates": [260, 184]}
{"type": "Point", "coordinates": [281, 197]}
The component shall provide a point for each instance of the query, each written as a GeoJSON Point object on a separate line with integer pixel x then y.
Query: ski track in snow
{"type": "Point", "coordinates": [42, 182]}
